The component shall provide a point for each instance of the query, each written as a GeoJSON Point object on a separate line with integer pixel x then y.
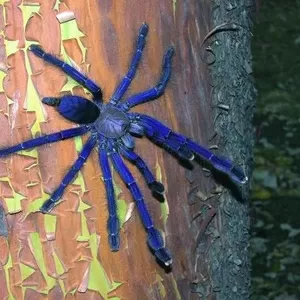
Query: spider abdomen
{"type": "Point", "coordinates": [74, 108]}
{"type": "Point", "coordinates": [112, 122]}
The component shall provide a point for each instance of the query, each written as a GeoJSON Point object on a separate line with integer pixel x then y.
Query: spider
{"type": "Point", "coordinates": [112, 129]}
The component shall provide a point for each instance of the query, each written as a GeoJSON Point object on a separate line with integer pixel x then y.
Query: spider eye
{"type": "Point", "coordinates": [74, 108]}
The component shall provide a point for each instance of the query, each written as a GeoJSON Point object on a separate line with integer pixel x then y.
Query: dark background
{"type": "Point", "coordinates": [276, 184]}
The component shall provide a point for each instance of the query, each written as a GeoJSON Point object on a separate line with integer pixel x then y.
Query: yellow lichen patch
{"type": "Point", "coordinates": [117, 189]}
{"type": "Point", "coordinates": [71, 83]}
{"type": "Point", "coordinates": [11, 47]}
{"type": "Point", "coordinates": [175, 287]}
{"type": "Point", "coordinates": [37, 251]}
{"type": "Point", "coordinates": [26, 271]}
{"type": "Point", "coordinates": [121, 211]}
{"type": "Point", "coordinates": [164, 206]}
{"type": "Point", "coordinates": [161, 287]}
{"type": "Point", "coordinates": [13, 204]}
{"type": "Point", "coordinates": [56, 5]}
{"type": "Point", "coordinates": [32, 100]}
{"type": "Point", "coordinates": [79, 181]}
{"type": "Point", "coordinates": [98, 280]}
{"type": "Point", "coordinates": [2, 76]}
{"type": "Point", "coordinates": [122, 205]}
{"type": "Point", "coordinates": [58, 264]}
{"type": "Point", "coordinates": [50, 226]}
{"type": "Point", "coordinates": [31, 153]}
{"type": "Point", "coordinates": [174, 8]}
{"type": "Point", "coordinates": [85, 235]}
{"type": "Point", "coordinates": [69, 30]}
{"type": "Point", "coordinates": [6, 267]}
{"type": "Point", "coordinates": [28, 9]}
{"type": "Point", "coordinates": [62, 286]}
{"type": "Point", "coordinates": [78, 143]}
{"type": "Point", "coordinates": [35, 205]}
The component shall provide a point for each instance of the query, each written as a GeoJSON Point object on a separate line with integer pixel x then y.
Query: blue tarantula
{"type": "Point", "coordinates": [112, 129]}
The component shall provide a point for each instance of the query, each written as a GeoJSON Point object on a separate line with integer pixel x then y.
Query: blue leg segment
{"type": "Point", "coordinates": [155, 240]}
{"type": "Point", "coordinates": [123, 86]}
{"type": "Point", "coordinates": [154, 185]}
{"type": "Point", "coordinates": [113, 225]}
{"type": "Point", "coordinates": [69, 70]}
{"type": "Point", "coordinates": [84, 154]}
{"type": "Point", "coordinates": [156, 91]}
{"type": "Point", "coordinates": [45, 139]}
{"type": "Point", "coordinates": [222, 164]}
{"type": "Point", "coordinates": [163, 135]}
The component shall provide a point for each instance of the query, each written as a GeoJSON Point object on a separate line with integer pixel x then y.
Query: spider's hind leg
{"type": "Point", "coordinates": [186, 148]}
{"type": "Point", "coordinates": [113, 225]}
{"type": "Point", "coordinates": [155, 240]}
{"type": "Point", "coordinates": [157, 90]}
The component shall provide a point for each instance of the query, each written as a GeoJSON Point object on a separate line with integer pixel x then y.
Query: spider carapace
{"type": "Point", "coordinates": [112, 129]}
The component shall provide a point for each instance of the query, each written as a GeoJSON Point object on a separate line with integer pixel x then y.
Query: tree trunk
{"type": "Point", "coordinates": [66, 255]}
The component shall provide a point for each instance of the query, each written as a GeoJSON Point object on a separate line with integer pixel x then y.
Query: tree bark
{"type": "Point", "coordinates": [204, 217]}
{"type": "Point", "coordinates": [231, 76]}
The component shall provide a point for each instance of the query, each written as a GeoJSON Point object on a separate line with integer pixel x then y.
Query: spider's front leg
{"type": "Point", "coordinates": [155, 91]}
{"type": "Point", "coordinates": [124, 84]}
{"type": "Point", "coordinates": [155, 240]}
{"type": "Point", "coordinates": [69, 70]}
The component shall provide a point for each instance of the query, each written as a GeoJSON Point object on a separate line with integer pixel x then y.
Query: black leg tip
{"type": "Point", "coordinates": [237, 174]}
{"type": "Point", "coordinates": [47, 206]}
{"type": "Point", "coordinates": [37, 50]}
{"type": "Point", "coordinates": [164, 257]}
{"type": "Point", "coordinates": [144, 29]}
{"type": "Point", "coordinates": [170, 52]}
{"type": "Point", "coordinates": [157, 187]}
{"type": "Point", "coordinates": [114, 242]}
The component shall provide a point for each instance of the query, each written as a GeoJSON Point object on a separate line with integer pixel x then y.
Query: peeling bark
{"type": "Point", "coordinates": [205, 218]}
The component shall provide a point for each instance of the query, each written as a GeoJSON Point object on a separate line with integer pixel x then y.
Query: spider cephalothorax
{"type": "Point", "coordinates": [113, 128]}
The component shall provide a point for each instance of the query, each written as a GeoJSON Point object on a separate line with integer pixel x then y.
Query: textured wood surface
{"type": "Point", "coordinates": [59, 256]}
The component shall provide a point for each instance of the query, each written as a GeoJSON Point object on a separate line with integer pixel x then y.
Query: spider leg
{"type": "Point", "coordinates": [69, 70]}
{"type": "Point", "coordinates": [45, 139]}
{"type": "Point", "coordinates": [124, 84]}
{"type": "Point", "coordinates": [155, 240]}
{"type": "Point", "coordinates": [57, 194]}
{"type": "Point", "coordinates": [157, 90]}
{"type": "Point", "coordinates": [154, 185]}
{"type": "Point", "coordinates": [113, 225]}
{"type": "Point", "coordinates": [161, 134]}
